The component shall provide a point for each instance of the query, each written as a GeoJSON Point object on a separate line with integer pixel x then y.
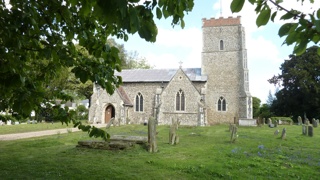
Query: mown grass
{"type": "Point", "coordinates": [21, 128]}
{"type": "Point", "coordinates": [203, 153]}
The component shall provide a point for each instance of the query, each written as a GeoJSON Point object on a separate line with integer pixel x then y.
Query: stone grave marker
{"type": "Point", "coordinates": [299, 120]}
{"type": "Point", "coordinates": [314, 122]}
{"type": "Point", "coordinates": [109, 123]}
{"type": "Point", "coordinates": [310, 131]}
{"type": "Point", "coordinates": [304, 129]}
{"type": "Point", "coordinates": [173, 137]}
{"type": "Point", "coordinates": [284, 133]}
{"type": "Point", "coordinates": [276, 132]}
{"type": "Point", "coordinates": [152, 140]}
{"type": "Point", "coordinates": [234, 134]}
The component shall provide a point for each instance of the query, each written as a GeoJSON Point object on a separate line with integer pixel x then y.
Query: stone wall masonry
{"type": "Point", "coordinates": [148, 91]}
{"type": "Point", "coordinates": [168, 98]}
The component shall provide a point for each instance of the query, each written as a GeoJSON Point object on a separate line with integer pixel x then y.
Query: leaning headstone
{"type": "Point", "coordinates": [234, 134]}
{"type": "Point", "coordinates": [152, 140]}
{"type": "Point", "coordinates": [299, 120]}
{"type": "Point", "coordinates": [109, 123]}
{"type": "Point", "coordinates": [276, 132]}
{"type": "Point", "coordinates": [284, 132]}
{"type": "Point", "coordinates": [310, 131]}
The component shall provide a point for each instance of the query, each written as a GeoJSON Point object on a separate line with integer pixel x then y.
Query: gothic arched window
{"type": "Point", "coordinates": [180, 101]}
{"type": "Point", "coordinates": [222, 105]}
{"type": "Point", "coordinates": [221, 45]}
{"type": "Point", "coordinates": [139, 102]}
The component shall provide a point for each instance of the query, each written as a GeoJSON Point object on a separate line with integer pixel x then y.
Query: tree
{"type": "Point", "coordinates": [265, 111]}
{"type": "Point", "coordinates": [300, 79]}
{"type": "Point", "coordinates": [302, 28]}
{"type": "Point", "coordinates": [270, 99]}
{"type": "Point", "coordinates": [47, 30]}
{"type": "Point", "coordinates": [256, 106]}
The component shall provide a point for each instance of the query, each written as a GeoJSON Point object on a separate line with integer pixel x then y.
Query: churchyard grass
{"type": "Point", "coordinates": [21, 128]}
{"type": "Point", "coordinates": [202, 153]}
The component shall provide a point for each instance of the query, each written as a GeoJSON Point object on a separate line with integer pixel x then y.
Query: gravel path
{"type": "Point", "coordinates": [9, 137]}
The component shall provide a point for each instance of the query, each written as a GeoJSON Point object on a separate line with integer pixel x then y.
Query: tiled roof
{"type": "Point", "coordinates": [159, 75]}
{"type": "Point", "coordinates": [124, 96]}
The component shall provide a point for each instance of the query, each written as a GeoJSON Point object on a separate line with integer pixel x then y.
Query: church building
{"type": "Point", "coordinates": [216, 93]}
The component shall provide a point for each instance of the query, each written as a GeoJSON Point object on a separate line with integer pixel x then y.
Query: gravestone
{"type": "Point", "coordinates": [109, 123]}
{"type": "Point", "coordinates": [284, 133]}
{"type": "Point", "coordinates": [1, 123]}
{"type": "Point", "coordinates": [269, 121]}
{"type": "Point", "coordinates": [306, 121]}
{"type": "Point", "coordinates": [152, 140]}
{"type": "Point", "coordinates": [173, 137]}
{"type": "Point", "coordinates": [299, 120]}
{"type": "Point", "coordinates": [276, 132]}
{"type": "Point", "coordinates": [310, 131]}
{"type": "Point", "coordinates": [314, 122]}
{"type": "Point", "coordinates": [9, 122]}
{"type": "Point", "coordinates": [304, 129]}
{"type": "Point", "coordinates": [28, 122]}
{"type": "Point", "coordinates": [234, 134]}
{"type": "Point", "coordinates": [230, 127]}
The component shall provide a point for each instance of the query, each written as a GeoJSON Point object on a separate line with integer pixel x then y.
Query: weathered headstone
{"type": "Point", "coordinates": [234, 134]}
{"type": "Point", "coordinates": [310, 131]}
{"type": "Point", "coordinates": [299, 120]}
{"type": "Point", "coordinates": [276, 122]}
{"type": "Point", "coordinates": [284, 132]}
{"type": "Point", "coordinates": [314, 122]}
{"type": "Point", "coordinates": [276, 132]}
{"type": "Point", "coordinates": [9, 122]}
{"type": "Point", "coordinates": [304, 129]}
{"type": "Point", "coordinates": [109, 123]}
{"type": "Point", "coordinates": [173, 137]}
{"type": "Point", "coordinates": [269, 121]}
{"type": "Point", "coordinates": [152, 140]}
{"type": "Point", "coordinates": [306, 121]}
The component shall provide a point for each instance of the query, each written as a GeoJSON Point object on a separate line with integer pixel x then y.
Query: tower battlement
{"type": "Point", "coordinates": [221, 21]}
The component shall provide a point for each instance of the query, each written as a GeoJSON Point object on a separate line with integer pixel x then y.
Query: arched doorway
{"type": "Point", "coordinates": [109, 113]}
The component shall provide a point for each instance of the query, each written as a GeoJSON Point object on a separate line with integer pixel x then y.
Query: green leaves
{"type": "Point", "coordinates": [263, 17]}
{"type": "Point", "coordinates": [236, 5]}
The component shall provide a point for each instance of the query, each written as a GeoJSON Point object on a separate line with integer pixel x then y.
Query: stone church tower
{"type": "Point", "coordinates": [224, 62]}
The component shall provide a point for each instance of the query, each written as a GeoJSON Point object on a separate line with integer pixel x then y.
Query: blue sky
{"type": "Point", "coordinates": [264, 47]}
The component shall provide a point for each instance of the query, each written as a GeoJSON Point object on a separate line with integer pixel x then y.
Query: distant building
{"type": "Point", "coordinates": [216, 93]}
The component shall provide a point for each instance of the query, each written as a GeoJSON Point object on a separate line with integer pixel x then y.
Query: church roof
{"type": "Point", "coordinates": [124, 96]}
{"type": "Point", "coordinates": [159, 75]}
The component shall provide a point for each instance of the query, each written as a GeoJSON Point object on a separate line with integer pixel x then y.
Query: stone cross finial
{"type": "Point", "coordinates": [180, 66]}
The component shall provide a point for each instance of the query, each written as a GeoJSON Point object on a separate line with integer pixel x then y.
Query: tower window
{"type": "Point", "coordinates": [139, 102]}
{"type": "Point", "coordinates": [180, 101]}
{"type": "Point", "coordinates": [222, 105]}
{"type": "Point", "coordinates": [221, 45]}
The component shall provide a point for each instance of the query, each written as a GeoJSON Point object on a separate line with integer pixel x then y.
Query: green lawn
{"type": "Point", "coordinates": [203, 153]}
{"type": "Point", "coordinates": [20, 128]}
